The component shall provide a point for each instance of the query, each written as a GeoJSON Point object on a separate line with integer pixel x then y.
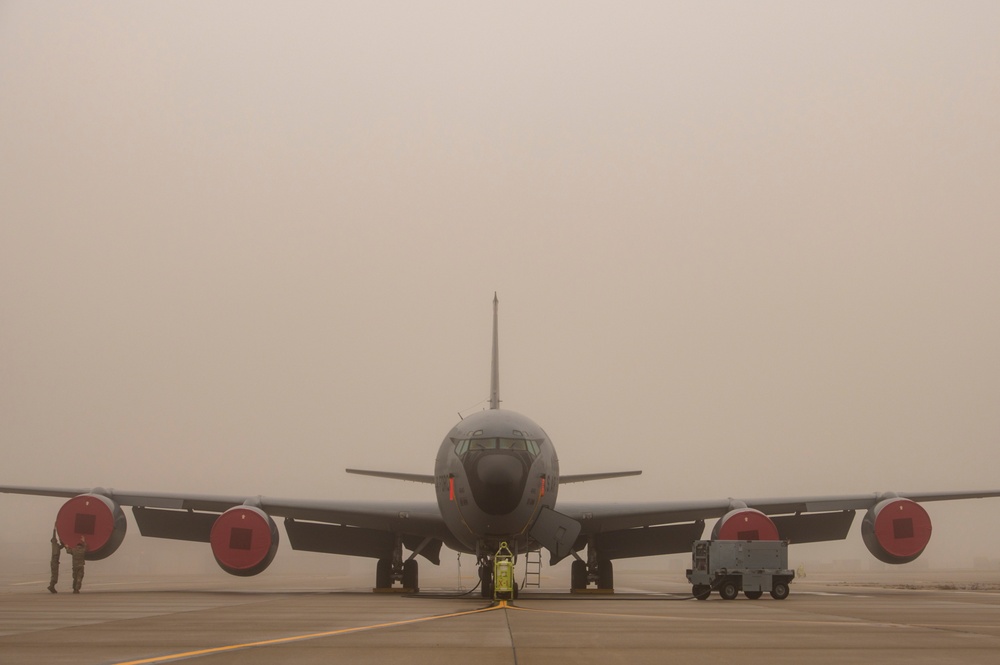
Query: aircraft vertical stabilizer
{"type": "Point", "coordinates": [495, 371]}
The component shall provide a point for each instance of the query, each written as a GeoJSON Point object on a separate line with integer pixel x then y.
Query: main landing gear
{"type": "Point", "coordinates": [582, 575]}
{"type": "Point", "coordinates": [595, 570]}
{"type": "Point", "coordinates": [388, 571]}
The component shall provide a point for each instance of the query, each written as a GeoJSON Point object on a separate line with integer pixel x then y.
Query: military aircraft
{"type": "Point", "coordinates": [496, 479]}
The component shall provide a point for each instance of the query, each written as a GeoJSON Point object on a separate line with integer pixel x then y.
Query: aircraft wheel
{"type": "Point", "coordinates": [383, 574]}
{"type": "Point", "coordinates": [514, 594]}
{"type": "Point", "coordinates": [701, 591]}
{"type": "Point", "coordinates": [728, 590]}
{"type": "Point", "coordinates": [578, 575]}
{"type": "Point", "coordinates": [486, 581]}
{"type": "Point", "coordinates": [411, 575]}
{"type": "Point", "coordinates": [605, 574]}
{"type": "Point", "coordinates": [753, 595]}
{"type": "Point", "coordinates": [779, 591]}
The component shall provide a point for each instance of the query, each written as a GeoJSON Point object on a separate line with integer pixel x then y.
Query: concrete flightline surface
{"type": "Point", "coordinates": [139, 621]}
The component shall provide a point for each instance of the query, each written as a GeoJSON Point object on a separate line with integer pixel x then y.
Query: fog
{"type": "Point", "coordinates": [750, 249]}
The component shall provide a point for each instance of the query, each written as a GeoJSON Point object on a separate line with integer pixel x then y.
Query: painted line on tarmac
{"type": "Point", "coordinates": [298, 638]}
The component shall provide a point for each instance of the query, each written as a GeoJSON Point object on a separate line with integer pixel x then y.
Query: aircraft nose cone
{"type": "Point", "coordinates": [498, 483]}
{"type": "Point", "coordinates": [500, 470]}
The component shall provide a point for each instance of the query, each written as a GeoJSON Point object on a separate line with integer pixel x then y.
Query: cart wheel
{"type": "Point", "coordinates": [701, 591]}
{"type": "Point", "coordinates": [779, 591]}
{"type": "Point", "coordinates": [753, 595]}
{"type": "Point", "coordinates": [728, 590]}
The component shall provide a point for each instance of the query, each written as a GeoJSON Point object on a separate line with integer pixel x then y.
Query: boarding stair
{"type": "Point", "coordinates": [533, 569]}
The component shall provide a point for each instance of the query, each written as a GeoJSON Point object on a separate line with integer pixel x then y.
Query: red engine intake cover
{"type": "Point", "coordinates": [745, 524]}
{"type": "Point", "coordinates": [95, 518]}
{"type": "Point", "coordinates": [896, 530]}
{"type": "Point", "coordinates": [244, 540]}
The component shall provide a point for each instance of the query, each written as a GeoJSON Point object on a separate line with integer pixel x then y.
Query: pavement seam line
{"type": "Point", "coordinates": [506, 615]}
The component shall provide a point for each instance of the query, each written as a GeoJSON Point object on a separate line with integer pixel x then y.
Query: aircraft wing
{"type": "Point", "coordinates": [173, 516]}
{"type": "Point", "coordinates": [418, 518]}
{"type": "Point", "coordinates": [207, 502]}
{"type": "Point", "coordinates": [646, 529]}
{"type": "Point", "coordinates": [602, 517]}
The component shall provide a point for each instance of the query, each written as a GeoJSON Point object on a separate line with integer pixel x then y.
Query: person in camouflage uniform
{"type": "Point", "coordinates": [78, 552]}
{"type": "Point", "coordinates": [56, 551]}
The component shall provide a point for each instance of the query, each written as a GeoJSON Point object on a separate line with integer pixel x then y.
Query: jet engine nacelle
{"type": "Point", "coordinates": [94, 518]}
{"type": "Point", "coordinates": [896, 530]}
{"type": "Point", "coordinates": [745, 524]}
{"type": "Point", "coordinates": [244, 540]}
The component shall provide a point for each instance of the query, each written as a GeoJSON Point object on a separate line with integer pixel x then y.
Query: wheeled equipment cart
{"type": "Point", "coordinates": [731, 566]}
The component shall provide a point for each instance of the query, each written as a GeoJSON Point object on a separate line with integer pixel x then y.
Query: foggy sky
{"type": "Point", "coordinates": [749, 248]}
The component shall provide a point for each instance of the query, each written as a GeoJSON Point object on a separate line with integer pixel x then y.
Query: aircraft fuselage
{"type": "Point", "coordinates": [494, 472]}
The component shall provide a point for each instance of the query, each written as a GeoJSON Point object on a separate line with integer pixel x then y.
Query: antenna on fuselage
{"type": "Point", "coordinates": [495, 371]}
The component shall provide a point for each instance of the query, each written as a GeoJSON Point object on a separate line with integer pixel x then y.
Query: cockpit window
{"type": "Point", "coordinates": [482, 444]}
{"type": "Point", "coordinates": [530, 446]}
{"type": "Point", "coordinates": [513, 444]}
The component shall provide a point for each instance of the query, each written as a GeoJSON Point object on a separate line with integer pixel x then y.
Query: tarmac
{"type": "Point", "coordinates": [216, 619]}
